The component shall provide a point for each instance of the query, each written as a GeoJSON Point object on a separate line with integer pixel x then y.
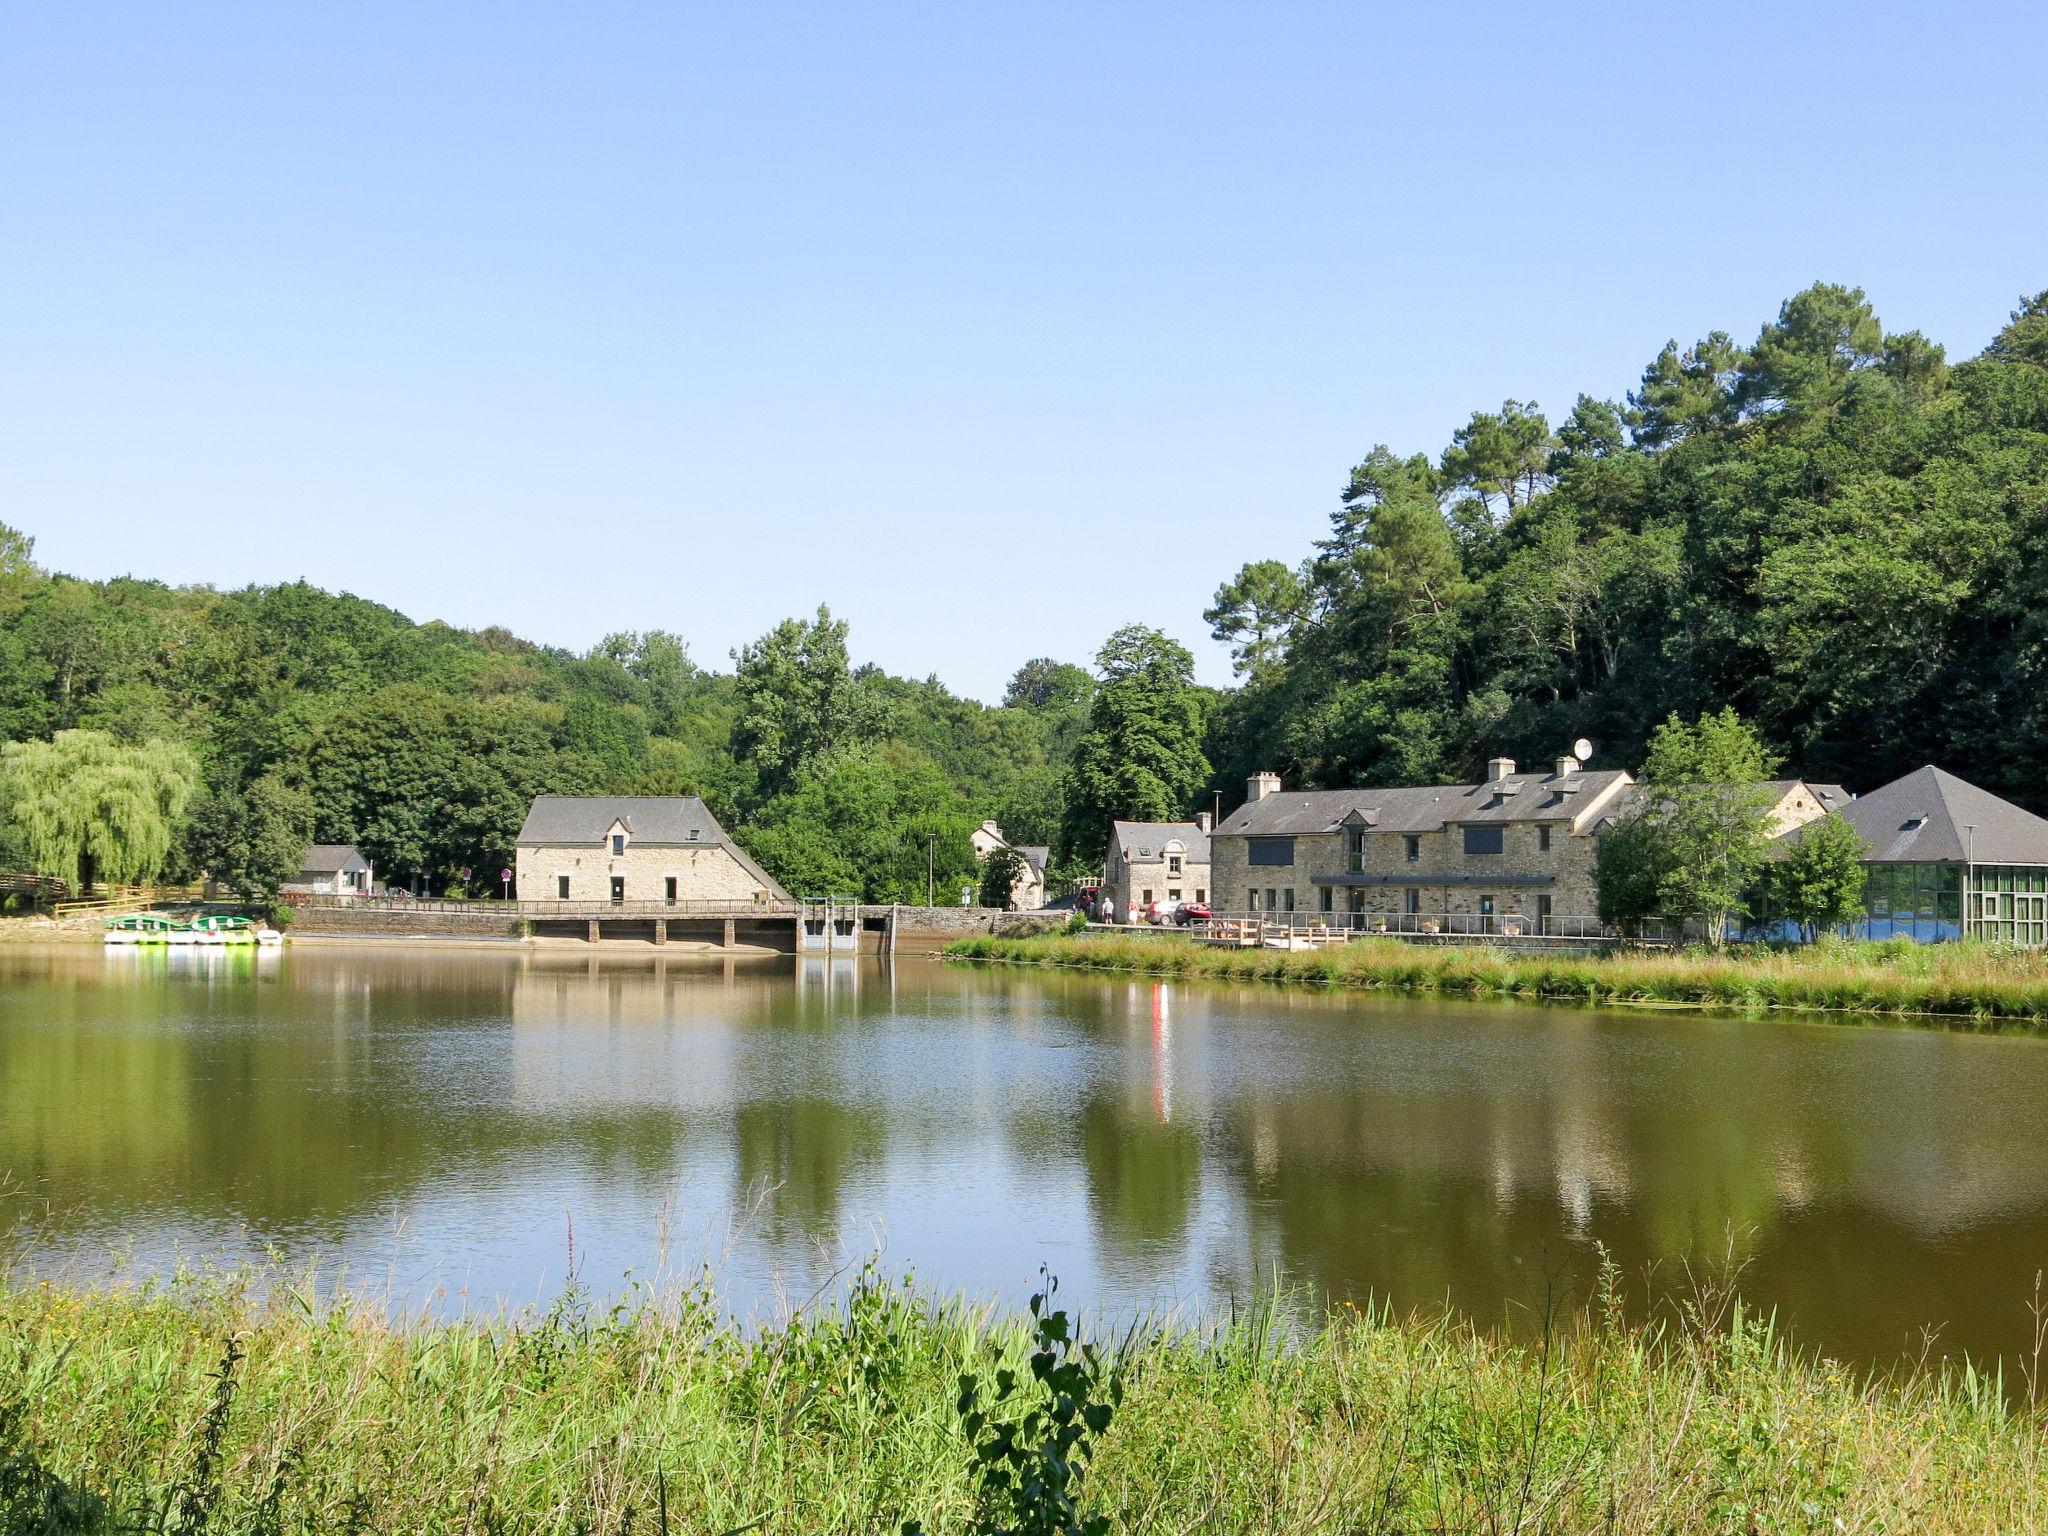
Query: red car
{"type": "Point", "coordinates": [1192, 912]}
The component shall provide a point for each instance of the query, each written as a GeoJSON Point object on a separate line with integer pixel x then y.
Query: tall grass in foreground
{"type": "Point", "coordinates": [1965, 981]}
{"type": "Point", "coordinates": [200, 1407]}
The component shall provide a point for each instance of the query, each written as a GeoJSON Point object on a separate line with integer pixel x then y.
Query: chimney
{"type": "Point", "coordinates": [1202, 822]}
{"type": "Point", "coordinates": [1498, 768]}
{"type": "Point", "coordinates": [1260, 785]}
{"type": "Point", "coordinates": [1567, 766]}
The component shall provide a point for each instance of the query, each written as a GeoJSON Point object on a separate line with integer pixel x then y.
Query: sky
{"type": "Point", "coordinates": [995, 328]}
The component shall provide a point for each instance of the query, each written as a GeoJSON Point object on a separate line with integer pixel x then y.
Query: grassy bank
{"type": "Point", "coordinates": [1961, 981]}
{"type": "Point", "coordinates": [199, 1408]}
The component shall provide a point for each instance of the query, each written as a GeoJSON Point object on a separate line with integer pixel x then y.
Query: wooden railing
{"type": "Point", "coordinates": [1316, 927]}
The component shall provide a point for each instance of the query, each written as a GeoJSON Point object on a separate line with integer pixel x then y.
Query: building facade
{"type": "Point", "coordinates": [1948, 860]}
{"type": "Point", "coordinates": [1027, 891]}
{"type": "Point", "coordinates": [332, 869]}
{"type": "Point", "coordinates": [1157, 861]}
{"type": "Point", "coordinates": [635, 848]}
{"type": "Point", "coordinates": [1511, 854]}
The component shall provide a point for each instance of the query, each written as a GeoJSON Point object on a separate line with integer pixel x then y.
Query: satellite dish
{"type": "Point", "coordinates": [1582, 749]}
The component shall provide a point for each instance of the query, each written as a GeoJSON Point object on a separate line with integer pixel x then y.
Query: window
{"type": "Point", "coordinates": [1327, 899]}
{"type": "Point", "coordinates": [1271, 852]}
{"type": "Point", "coordinates": [1251, 899]}
{"type": "Point", "coordinates": [618, 844]}
{"type": "Point", "coordinates": [693, 834]}
{"type": "Point", "coordinates": [1200, 894]}
{"type": "Point", "coordinates": [1272, 899]}
{"type": "Point", "coordinates": [561, 887]}
{"type": "Point", "coordinates": [1287, 898]}
{"type": "Point", "coordinates": [1354, 846]}
{"type": "Point", "coordinates": [668, 890]}
{"type": "Point", "coordinates": [1413, 904]}
{"type": "Point", "coordinates": [1543, 839]}
{"type": "Point", "coordinates": [1411, 848]}
{"type": "Point", "coordinates": [1173, 864]}
{"type": "Point", "coordinates": [618, 888]}
{"type": "Point", "coordinates": [1482, 840]}
{"type": "Point", "coordinates": [1486, 906]}
{"type": "Point", "coordinates": [1543, 914]}
{"type": "Point", "coordinates": [1172, 894]}
{"type": "Point", "coordinates": [1147, 897]}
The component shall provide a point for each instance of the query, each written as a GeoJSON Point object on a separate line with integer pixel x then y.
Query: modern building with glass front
{"type": "Point", "coordinates": [1948, 860]}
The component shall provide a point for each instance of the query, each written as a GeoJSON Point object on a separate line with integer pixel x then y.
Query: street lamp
{"type": "Point", "coordinates": [931, 854]}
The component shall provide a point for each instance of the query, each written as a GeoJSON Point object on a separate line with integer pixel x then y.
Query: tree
{"type": "Point", "coordinates": [1799, 361]}
{"type": "Point", "coordinates": [1504, 453]}
{"type": "Point", "coordinates": [1255, 612]}
{"type": "Point", "coordinates": [869, 825]}
{"type": "Point", "coordinates": [85, 807]}
{"type": "Point", "coordinates": [1706, 817]}
{"type": "Point", "coordinates": [1628, 866]}
{"type": "Point", "coordinates": [1685, 392]}
{"type": "Point", "coordinates": [799, 700]}
{"type": "Point", "coordinates": [1045, 685]}
{"type": "Point", "coordinates": [1819, 883]}
{"type": "Point", "coordinates": [1141, 756]}
{"type": "Point", "coordinates": [252, 840]}
{"type": "Point", "coordinates": [1000, 872]}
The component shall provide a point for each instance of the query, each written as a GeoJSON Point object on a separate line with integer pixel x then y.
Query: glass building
{"type": "Point", "coordinates": [1948, 860]}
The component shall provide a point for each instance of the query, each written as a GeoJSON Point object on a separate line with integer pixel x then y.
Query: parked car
{"type": "Point", "coordinates": [1192, 912]}
{"type": "Point", "coordinates": [1160, 913]}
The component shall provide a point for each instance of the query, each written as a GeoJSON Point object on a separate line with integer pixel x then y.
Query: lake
{"type": "Point", "coordinates": [455, 1123]}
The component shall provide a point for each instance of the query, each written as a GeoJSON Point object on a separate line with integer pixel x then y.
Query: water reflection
{"type": "Point", "coordinates": [447, 1115]}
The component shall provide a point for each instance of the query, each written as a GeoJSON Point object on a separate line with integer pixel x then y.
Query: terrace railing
{"type": "Point", "coordinates": [1340, 927]}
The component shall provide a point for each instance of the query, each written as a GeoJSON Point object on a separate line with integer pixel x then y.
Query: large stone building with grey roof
{"type": "Point", "coordinates": [1513, 853]}
{"type": "Point", "coordinates": [666, 849]}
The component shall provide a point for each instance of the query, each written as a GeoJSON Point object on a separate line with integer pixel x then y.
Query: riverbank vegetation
{"type": "Point", "coordinates": [1975, 981]}
{"type": "Point", "coordinates": [196, 1406]}
{"type": "Point", "coordinates": [1832, 529]}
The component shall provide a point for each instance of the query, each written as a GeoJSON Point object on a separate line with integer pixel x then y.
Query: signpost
{"type": "Point", "coordinates": [505, 883]}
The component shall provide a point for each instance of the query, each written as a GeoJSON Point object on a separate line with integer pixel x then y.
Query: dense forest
{"type": "Point", "coordinates": [1833, 528]}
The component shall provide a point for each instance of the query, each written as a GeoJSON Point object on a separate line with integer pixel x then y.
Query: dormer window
{"type": "Point", "coordinates": [618, 844]}
{"type": "Point", "coordinates": [694, 834]}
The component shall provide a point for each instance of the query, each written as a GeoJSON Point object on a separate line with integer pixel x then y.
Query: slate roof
{"type": "Point", "coordinates": [1924, 818]}
{"type": "Point", "coordinates": [562, 821]}
{"type": "Point", "coordinates": [1036, 855]}
{"type": "Point", "coordinates": [329, 858]}
{"type": "Point", "coordinates": [654, 821]}
{"type": "Point", "coordinates": [1426, 808]}
{"type": "Point", "coordinates": [1146, 841]}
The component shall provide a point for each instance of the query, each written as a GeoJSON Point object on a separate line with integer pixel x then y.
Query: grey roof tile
{"type": "Point", "coordinates": [1925, 817]}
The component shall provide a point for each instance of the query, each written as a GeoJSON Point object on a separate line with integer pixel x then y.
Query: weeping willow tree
{"type": "Point", "coordinates": [84, 807]}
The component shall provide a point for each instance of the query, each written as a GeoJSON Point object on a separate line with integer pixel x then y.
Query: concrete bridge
{"type": "Point", "coordinates": [844, 927]}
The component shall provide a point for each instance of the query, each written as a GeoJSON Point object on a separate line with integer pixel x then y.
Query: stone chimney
{"type": "Point", "coordinates": [1202, 822]}
{"type": "Point", "coordinates": [1260, 785]}
{"type": "Point", "coordinates": [1567, 766]}
{"type": "Point", "coordinates": [1498, 768]}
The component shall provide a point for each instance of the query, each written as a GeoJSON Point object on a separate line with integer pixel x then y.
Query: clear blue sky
{"type": "Point", "coordinates": [992, 328]}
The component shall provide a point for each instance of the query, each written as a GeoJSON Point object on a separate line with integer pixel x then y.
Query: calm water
{"type": "Point", "coordinates": [436, 1120]}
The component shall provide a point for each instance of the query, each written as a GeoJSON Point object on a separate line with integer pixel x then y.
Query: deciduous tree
{"type": "Point", "coordinates": [86, 807]}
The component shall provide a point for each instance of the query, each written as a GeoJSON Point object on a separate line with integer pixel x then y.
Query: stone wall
{"type": "Point", "coordinates": [709, 873]}
{"type": "Point", "coordinates": [927, 928]}
{"type": "Point", "coordinates": [402, 923]}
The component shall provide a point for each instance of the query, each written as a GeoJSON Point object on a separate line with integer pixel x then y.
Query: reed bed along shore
{"type": "Point", "coordinates": [1979, 982]}
{"type": "Point", "coordinates": [231, 1406]}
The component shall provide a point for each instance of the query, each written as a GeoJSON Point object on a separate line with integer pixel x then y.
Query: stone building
{"type": "Point", "coordinates": [1152, 861]}
{"type": "Point", "coordinates": [1509, 854]}
{"type": "Point", "coordinates": [1027, 892]}
{"type": "Point", "coordinates": [635, 848]}
{"type": "Point", "coordinates": [332, 869]}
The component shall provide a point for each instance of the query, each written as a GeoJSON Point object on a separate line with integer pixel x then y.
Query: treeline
{"type": "Point", "coordinates": [1833, 529]}
{"type": "Point", "coordinates": [284, 714]}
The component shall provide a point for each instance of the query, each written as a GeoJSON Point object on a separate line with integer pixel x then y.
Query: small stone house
{"type": "Point", "coordinates": [635, 848]}
{"type": "Point", "coordinates": [1027, 892]}
{"type": "Point", "coordinates": [1152, 861]}
{"type": "Point", "coordinates": [332, 869]}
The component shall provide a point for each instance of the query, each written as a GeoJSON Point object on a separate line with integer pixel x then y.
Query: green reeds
{"type": "Point", "coordinates": [1978, 982]}
{"type": "Point", "coordinates": [251, 1405]}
